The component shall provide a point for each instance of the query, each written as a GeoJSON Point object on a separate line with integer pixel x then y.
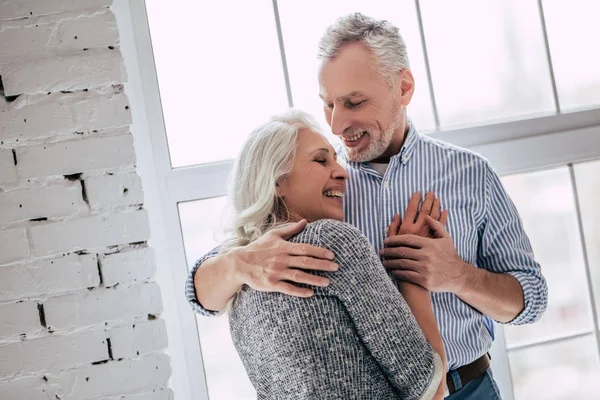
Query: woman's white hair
{"type": "Point", "coordinates": [380, 37]}
{"type": "Point", "coordinates": [266, 160]}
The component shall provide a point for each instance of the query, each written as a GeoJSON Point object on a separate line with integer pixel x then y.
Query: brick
{"type": "Point", "coordinates": [114, 190]}
{"type": "Point", "coordinates": [28, 388]}
{"type": "Point", "coordinates": [56, 37]}
{"type": "Point", "coordinates": [125, 267]}
{"type": "Point", "coordinates": [40, 116]}
{"type": "Point", "coordinates": [49, 202]}
{"type": "Point", "coordinates": [138, 339]}
{"type": "Point", "coordinates": [155, 394]}
{"type": "Point", "coordinates": [102, 305]}
{"type": "Point", "coordinates": [49, 276]}
{"type": "Point", "coordinates": [64, 73]}
{"type": "Point", "coordinates": [93, 31]}
{"type": "Point", "coordinates": [91, 232]}
{"type": "Point", "coordinates": [113, 378]}
{"type": "Point", "coordinates": [13, 9]}
{"type": "Point", "coordinates": [8, 171]}
{"type": "Point", "coordinates": [13, 245]}
{"type": "Point", "coordinates": [75, 156]}
{"type": "Point", "coordinates": [18, 318]}
{"type": "Point", "coordinates": [52, 352]}
{"type": "Point", "coordinates": [23, 41]}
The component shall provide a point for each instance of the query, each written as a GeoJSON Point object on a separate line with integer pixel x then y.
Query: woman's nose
{"type": "Point", "coordinates": [340, 173]}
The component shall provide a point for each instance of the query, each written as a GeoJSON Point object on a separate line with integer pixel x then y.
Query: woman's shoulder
{"type": "Point", "coordinates": [331, 228]}
{"type": "Point", "coordinates": [331, 232]}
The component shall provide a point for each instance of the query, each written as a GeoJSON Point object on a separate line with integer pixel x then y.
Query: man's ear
{"type": "Point", "coordinates": [405, 87]}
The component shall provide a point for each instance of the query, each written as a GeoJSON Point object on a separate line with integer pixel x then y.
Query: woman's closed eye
{"type": "Point", "coordinates": [321, 161]}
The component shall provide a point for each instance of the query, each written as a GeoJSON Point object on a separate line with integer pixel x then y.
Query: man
{"type": "Point", "coordinates": [485, 270]}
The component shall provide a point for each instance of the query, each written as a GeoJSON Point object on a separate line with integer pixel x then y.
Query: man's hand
{"type": "Point", "coordinates": [272, 264]}
{"type": "Point", "coordinates": [432, 263]}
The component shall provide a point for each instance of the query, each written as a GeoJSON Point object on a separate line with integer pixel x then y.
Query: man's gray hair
{"type": "Point", "coordinates": [265, 161]}
{"type": "Point", "coordinates": [380, 37]}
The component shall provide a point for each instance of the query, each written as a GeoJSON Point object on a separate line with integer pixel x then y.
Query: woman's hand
{"type": "Point", "coordinates": [414, 222]}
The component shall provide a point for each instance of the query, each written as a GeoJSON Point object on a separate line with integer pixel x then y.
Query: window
{"type": "Point", "coordinates": [202, 226]}
{"type": "Point", "coordinates": [213, 71]}
{"type": "Point", "coordinates": [201, 49]}
{"type": "Point", "coordinates": [555, 206]}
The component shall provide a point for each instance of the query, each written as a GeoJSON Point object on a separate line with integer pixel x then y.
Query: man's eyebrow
{"type": "Point", "coordinates": [354, 93]}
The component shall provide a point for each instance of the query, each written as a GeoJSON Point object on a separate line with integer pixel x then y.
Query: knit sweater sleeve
{"type": "Point", "coordinates": [381, 316]}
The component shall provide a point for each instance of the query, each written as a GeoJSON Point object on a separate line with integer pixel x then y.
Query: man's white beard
{"type": "Point", "coordinates": [376, 147]}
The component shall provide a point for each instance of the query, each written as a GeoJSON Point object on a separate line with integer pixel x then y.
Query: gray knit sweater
{"type": "Point", "coordinates": [355, 339]}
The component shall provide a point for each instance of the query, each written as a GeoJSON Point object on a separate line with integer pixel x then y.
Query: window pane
{"type": "Point", "coordinates": [588, 188]}
{"type": "Point", "coordinates": [201, 222]}
{"type": "Point", "coordinates": [487, 59]}
{"type": "Point", "coordinates": [301, 43]}
{"type": "Point", "coordinates": [573, 33]}
{"type": "Point", "coordinates": [546, 205]}
{"type": "Point", "coordinates": [219, 72]}
{"type": "Point", "coordinates": [561, 371]}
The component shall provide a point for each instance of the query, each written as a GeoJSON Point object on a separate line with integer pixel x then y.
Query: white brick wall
{"type": "Point", "coordinates": [151, 371]}
{"type": "Point", "coordinates": [8, 172]}
{"type": "Point", "coordinates": [59, 201]}
{"type": "Point", "coordinates": [49, 276]}
{"type": "Point", "coordinates": [79, 308]}
{"type": "Point", "coordinates": [50, 115]}
{"type": "Point", "coordinates": [19, 318]}
{"type": "Point", "coordinates": [102, 305]}
{"type": "Point", "coordinates": [111, 190]}
{"type": "Point", "coordinates": [13, 245]}
{"type": "Point", "coordinates": [128, 266]}
{"type": "Point", "coordinates": [52, 352]}
{"type": "Point", "coordinates": [138, 339]}
{"type": "Point", "coordinates": [90, 232]}
{"type": "Point", "coordinates": [15, 9]}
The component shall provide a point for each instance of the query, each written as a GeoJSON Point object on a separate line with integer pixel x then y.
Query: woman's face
{"type": "Point", "coordinates": [315, 187]}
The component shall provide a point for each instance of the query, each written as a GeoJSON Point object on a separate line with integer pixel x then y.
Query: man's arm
{"type": "Point", "coordinates": [270, 264]}
{"type": "Point", "coordinates": [507, 284]}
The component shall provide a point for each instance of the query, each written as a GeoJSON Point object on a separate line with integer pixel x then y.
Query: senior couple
{"type": "Point", "coordinates": [313, 313]}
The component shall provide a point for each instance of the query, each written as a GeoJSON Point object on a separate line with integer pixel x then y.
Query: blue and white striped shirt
{"type": "Point", "coordinates": [483, 222]}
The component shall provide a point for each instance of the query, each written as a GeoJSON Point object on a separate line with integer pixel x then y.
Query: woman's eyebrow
{"type": "Point", "coordinates": [322, 150]}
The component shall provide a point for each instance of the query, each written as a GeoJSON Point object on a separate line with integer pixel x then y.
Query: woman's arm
{"type": "Point", "coordinates": [418, 298]}
{"type": "Point", "coordinates": [419, 301]}
{"type": "Point", "coordinates": [382, 318]}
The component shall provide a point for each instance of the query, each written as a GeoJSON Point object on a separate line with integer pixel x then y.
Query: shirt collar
{"type": "Point", "coordinates": [408, 148]}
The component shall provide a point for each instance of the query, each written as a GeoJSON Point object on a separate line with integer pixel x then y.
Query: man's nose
{"type": "Point", "coordinates": [339, 121]}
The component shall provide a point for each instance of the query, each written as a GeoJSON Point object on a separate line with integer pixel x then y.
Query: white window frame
{"type": "Point", "coordinates": [531, 143]}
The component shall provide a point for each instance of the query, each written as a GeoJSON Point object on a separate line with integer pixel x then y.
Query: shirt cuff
{"type": "Point", "coordinates": [190, 290]}
{"type": "Point", "coordinates": [535, 295]}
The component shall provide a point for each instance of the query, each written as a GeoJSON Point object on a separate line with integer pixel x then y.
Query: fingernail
{"type": "Point", "coordinates": [335, 267]}
{"type": "Point", "coordinates": [330, 255]}
{"type": "Point", "coordinates": [386, 241]}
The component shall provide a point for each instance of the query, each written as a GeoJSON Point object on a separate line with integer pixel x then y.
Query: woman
{"type": "Point", "coordinates": [354, 339]}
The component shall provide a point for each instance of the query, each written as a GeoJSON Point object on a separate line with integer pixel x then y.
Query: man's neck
{"type": "Point", "coordinates": [393, 149]}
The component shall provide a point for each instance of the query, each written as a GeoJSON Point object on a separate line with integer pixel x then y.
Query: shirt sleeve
{"type": "Point", "coordinates": [505, 248]}
{"type": "Point", "coordinates": [381, 316]}
{"type": "Point", "coordinates": [190, 290]}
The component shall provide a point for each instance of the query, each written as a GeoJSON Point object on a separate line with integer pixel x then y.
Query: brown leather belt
{"type": "Point", "coordinates": [468, 372]}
